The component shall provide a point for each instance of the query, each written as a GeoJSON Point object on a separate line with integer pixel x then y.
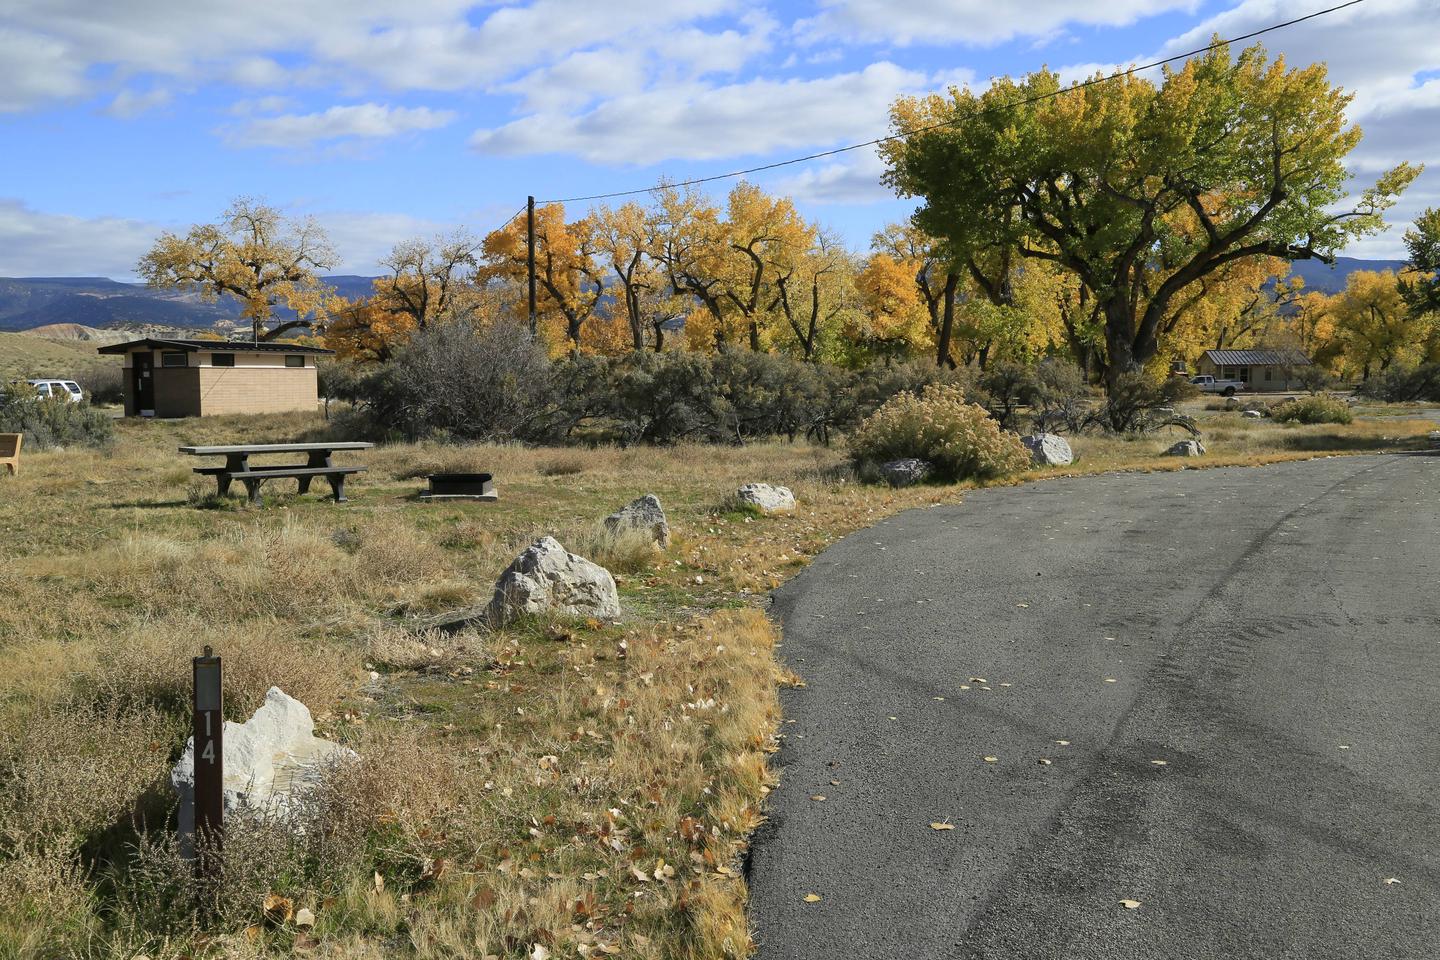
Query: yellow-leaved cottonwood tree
{"type": "Point", "coordinates": [570, 281]}
{"type": "Point", "coordinates": [1371, 326]}
{"type": "Point", "coordinates": [1140, 189]}
{"type": "Point", "coordinates": [256, 254]}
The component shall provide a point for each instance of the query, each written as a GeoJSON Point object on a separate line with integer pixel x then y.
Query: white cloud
{"type": "Point", "coordinates": [699, 121]}
{"type": "Point", "coordinates": [361, 239]}
{"type": "Point", "coordinates": [967, 21]}
{"type": "Point", "coordinates": [854, 180]}
{"type": "Point", "coordinates": [257, 72]}
{"type": "Point", "coordinates": [132, 103]}
{"type": "Point", "coordinates": [668, 55]}
{"type": "Point", "coordinates": [35, 68]}
{"type": "Point", "coordinates": [38, 243]}
{"type": "Point", "coordinates": [370, 121]}
{"type": "Point", "coordinates": [33, 243]}
{"type": "Point", "coordinates": [579, 79]}
{"type": "Point", "coordinates": [698, 52]}
{"type": "Point", "coordinates": [252, 106]}
{"type": "Point", "coordinates": [48, 48]}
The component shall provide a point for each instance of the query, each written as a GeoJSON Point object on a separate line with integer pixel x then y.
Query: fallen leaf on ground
{"type": "Point", "coordinates": [278, 909]}
{"type": "Point", "coordinates": [942, 826]}
{"type": "Point", "coordinates": [1063, 743]}
{"type": "Point", "coordinates": [1043, 762]}
{"type": "Point", "coordinates": [991, 759]}
{"type": "Point", "coordinates": [818, 796]}
{"type": "Point", "coordinates": [1390, 881]}
{"type": "Point", "coordinates": [1109, 679]}
{"type": "Point", "coordinates": [812, 898]}
{"type": "Point", "coordinates": [1160, 763]}
{"type": "Point", "coordinates": [1130, 904]}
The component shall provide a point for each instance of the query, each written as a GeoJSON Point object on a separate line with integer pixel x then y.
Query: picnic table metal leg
{"type": "Point", "coordinates": [234, 462]}
{"type": "Point", "coordinates": [337, 486]}
{"type": "Point", "coordinates": [252, 488]}
{"type": "Point", "coordinates": [318, 458]}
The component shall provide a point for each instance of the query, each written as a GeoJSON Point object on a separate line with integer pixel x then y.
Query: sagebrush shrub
{"type": "Point", "coordinates": [1402, 385]}
{"type": "Point", "coordinates": [52, 421]}
{"type": "Point", "coordinates": [959, 439]}
{"type": "Point", "coordinates": [1318, 409]}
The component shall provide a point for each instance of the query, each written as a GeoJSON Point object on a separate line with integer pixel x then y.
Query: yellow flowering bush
{"type": "Point", "coordinates": [959, 439]}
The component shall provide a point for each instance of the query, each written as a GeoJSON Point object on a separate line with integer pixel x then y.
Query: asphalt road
{"type": "Point", "coordinates": [1271, 634]}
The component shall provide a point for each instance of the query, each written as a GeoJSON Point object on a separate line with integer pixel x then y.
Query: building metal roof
{"type": "Point", "coordinates": [1257, 358]}
{"type": "Point", "coordinates": [194, 346]}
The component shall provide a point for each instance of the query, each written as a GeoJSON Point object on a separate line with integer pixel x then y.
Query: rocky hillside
{"type": "Point", "coordinates": [102, 303]}
{"type": "Point", "coordinates": [23, 355]}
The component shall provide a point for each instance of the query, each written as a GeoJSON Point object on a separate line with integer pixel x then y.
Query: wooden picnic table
{"type": "Point", "coordinates": [319, 463]}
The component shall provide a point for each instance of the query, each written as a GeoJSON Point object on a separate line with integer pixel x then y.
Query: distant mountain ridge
{"type": "Point", "coordinates": [1322, 277]}
{"type": "Point", "coordinates": [102, 303]}
{"type": "Point", "coordinates": [105, 304]}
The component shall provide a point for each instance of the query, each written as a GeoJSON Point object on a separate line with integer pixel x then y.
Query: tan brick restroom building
{"type": "Point", "coordinates": [201, 378]}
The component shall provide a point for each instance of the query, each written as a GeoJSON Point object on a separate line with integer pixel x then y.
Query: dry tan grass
{"type": "Point", "coordinates": [553, 772]}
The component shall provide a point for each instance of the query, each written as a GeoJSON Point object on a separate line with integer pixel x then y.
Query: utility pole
{"type": "Point", "coordinates": [530, 257]}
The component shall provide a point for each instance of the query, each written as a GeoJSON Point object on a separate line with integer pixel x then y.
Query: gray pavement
{"type": "Point", "coordinates": [1271, 634]}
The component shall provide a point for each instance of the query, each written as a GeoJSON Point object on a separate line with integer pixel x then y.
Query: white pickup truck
{"type": "Point", "coordinates": [1226, 388]}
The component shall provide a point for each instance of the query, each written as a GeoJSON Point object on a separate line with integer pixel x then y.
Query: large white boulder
{"type": "Point", "coordinates": [644, 514]}
{"type": "Point", "coordinates": [270, 762]}
{"type": "Point", "coordinates": [766, 498]}
{"type": "Point", "coordinates": [1186, 448]}
{"type": "Point", "coordinates": [1049, 449]}
{"type": "Point", "coordinates": [547, 578]}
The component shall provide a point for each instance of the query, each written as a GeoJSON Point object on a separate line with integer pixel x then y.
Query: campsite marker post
{"type": "Point", "coordinates": [209, 761]}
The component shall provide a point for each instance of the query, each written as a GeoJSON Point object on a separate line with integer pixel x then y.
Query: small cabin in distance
{"type": "Point", "coordinates": [1259, 369]}
{"type": "Point", "coordinates": [201, 378]}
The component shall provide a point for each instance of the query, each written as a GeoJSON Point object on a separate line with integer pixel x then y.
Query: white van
{"type": "Point", "coordinates": [68, 389]}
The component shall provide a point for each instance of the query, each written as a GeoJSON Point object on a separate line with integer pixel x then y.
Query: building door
{"type": "Point", "coordinates": [143, 372]}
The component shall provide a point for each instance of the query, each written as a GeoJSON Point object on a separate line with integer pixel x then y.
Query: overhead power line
{"type": "Point", "coordinates": [511, 219]}
{"type": "Point", "coordinates": [945, 123]}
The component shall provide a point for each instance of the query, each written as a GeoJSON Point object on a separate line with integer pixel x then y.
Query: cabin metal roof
{"type": "Point", "coordinates": [210, 346]}
{"type": "Point", "coordinates": [1257, 358]}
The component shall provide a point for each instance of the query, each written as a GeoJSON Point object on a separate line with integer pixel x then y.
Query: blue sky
{"type": "Point", "coordinates": [386, 121]}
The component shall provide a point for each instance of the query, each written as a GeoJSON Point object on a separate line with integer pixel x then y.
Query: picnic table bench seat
{"type": "Point", "coordinates": [238, 467]}
{"type": "Point", "coordinates": [10, 451]}
{"type": "Point", "coordinates": [254, 477]}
